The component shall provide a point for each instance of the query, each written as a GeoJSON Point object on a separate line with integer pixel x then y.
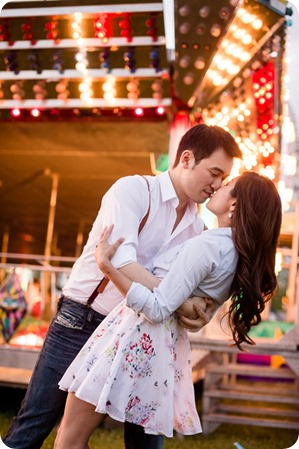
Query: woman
{"type": "Point", "coordinates": [136, 366]}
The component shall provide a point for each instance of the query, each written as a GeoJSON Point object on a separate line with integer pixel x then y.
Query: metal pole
{"type": "Point", "coordinates": [52, 210]}
{"type": "Point", "coordinates": [46, 312]}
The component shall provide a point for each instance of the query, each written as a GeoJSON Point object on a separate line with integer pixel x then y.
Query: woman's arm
{"type": "Point", "coordinates": [104, 253]}
{"type": "Point", "coordinates": [183, 278]}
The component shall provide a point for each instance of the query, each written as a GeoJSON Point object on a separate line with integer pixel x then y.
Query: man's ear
{"type": "Point", "coordinates": [187, 158]}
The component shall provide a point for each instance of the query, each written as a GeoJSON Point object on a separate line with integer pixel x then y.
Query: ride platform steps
{"type": "Point", "coordinates": [248, 394]}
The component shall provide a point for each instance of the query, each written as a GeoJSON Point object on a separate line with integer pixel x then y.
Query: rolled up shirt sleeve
{"type": "Point", "coordinates": [124, 206]}
{"type": "Point", "coordinates": [198, 258]}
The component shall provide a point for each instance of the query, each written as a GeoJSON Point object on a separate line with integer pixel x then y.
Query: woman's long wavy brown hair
{"type": "Point", "coordinates": [256, 225]}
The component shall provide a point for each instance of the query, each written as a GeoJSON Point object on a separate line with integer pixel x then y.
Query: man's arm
{"type": "Point", "coordinates": [124, 276]}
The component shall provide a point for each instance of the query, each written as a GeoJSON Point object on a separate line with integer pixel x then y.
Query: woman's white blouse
{"type": "Point", "coordinates": [202, 266]}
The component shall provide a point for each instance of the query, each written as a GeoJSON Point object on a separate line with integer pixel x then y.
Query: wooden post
{"type": "Point", "coordinates": [5, 241]}
{"type": "Point", "coordinates": [80, 237]}
{"type": "Point", "coordinates": [291, 290]}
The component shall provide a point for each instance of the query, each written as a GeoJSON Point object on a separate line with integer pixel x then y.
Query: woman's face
{"type": "Point", "coordinates": [221, 201]}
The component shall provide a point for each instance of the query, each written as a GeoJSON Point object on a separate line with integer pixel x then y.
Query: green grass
{"type": "Point", "coordinates": [223, 437]}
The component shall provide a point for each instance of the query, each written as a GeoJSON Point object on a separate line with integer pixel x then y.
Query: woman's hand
{"type": "Point", "coordinates": [196, 312]}
{"type": "Point", "coordinates": [105, 251]}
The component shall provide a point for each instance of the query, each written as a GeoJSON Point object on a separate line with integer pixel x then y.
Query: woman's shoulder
{"type": "Point", "coordinates": [217, 236]}
{"type": "Point", "coordinates": [216, 244]}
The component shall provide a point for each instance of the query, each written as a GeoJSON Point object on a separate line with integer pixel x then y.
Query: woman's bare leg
{"type": "Point", "coordinates": [78, 423]}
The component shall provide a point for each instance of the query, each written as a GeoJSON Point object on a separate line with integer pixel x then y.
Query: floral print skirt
{"type": "Point", "coordinates": [139, 372]}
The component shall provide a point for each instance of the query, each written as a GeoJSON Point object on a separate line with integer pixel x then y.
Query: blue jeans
{"type": "Point", "coordinates": [43, 404]}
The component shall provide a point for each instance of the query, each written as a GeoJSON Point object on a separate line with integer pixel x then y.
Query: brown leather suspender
{"type": "Point", "coordinates": [102, 285]}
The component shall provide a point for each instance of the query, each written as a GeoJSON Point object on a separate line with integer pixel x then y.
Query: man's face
{"type": "Point", "coordinates": [200, 181]}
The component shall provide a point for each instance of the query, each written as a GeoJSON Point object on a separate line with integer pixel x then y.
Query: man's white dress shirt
{"type": "Point", "coordinates": [124, 205]}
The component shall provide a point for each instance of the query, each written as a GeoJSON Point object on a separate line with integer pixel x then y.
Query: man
{"type": "Point", "coordinates": [168, 211]}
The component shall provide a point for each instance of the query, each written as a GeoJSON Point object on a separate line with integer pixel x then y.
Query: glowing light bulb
{"type": "Point", "coordinates": [160, 110]}
{"type": "Point", "coordinates": [257, 24]}
{"type": "Point", "coordinates": [35, 112]}
{"type": "Point", "coordinates": [139, 112]}
{"type": "Point", "coordinates": [16, 112]}
{"type": "Point", "coordinates": [247, 18]}
{"type": "Point", "coordinates": [109, 95]}
{"type": "Point", "coordinates": [247, 39]}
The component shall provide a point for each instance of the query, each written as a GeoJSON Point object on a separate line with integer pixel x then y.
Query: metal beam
{"type": "Point", "coordinates": [77, 103]}
{"type": "Point", "coordinates": [91, 9]}
{"type": "Point", "coordinates": [86, 43]}
{"type": "Point", "coordinates": [97, 74]}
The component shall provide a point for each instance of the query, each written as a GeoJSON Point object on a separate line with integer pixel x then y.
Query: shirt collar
{"type": "Point", "coordinates": [166, 187]}
{"type": "Point", "coordinates": [221, 231]}
{"type": "Point", "coordinates": [168, 193]}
